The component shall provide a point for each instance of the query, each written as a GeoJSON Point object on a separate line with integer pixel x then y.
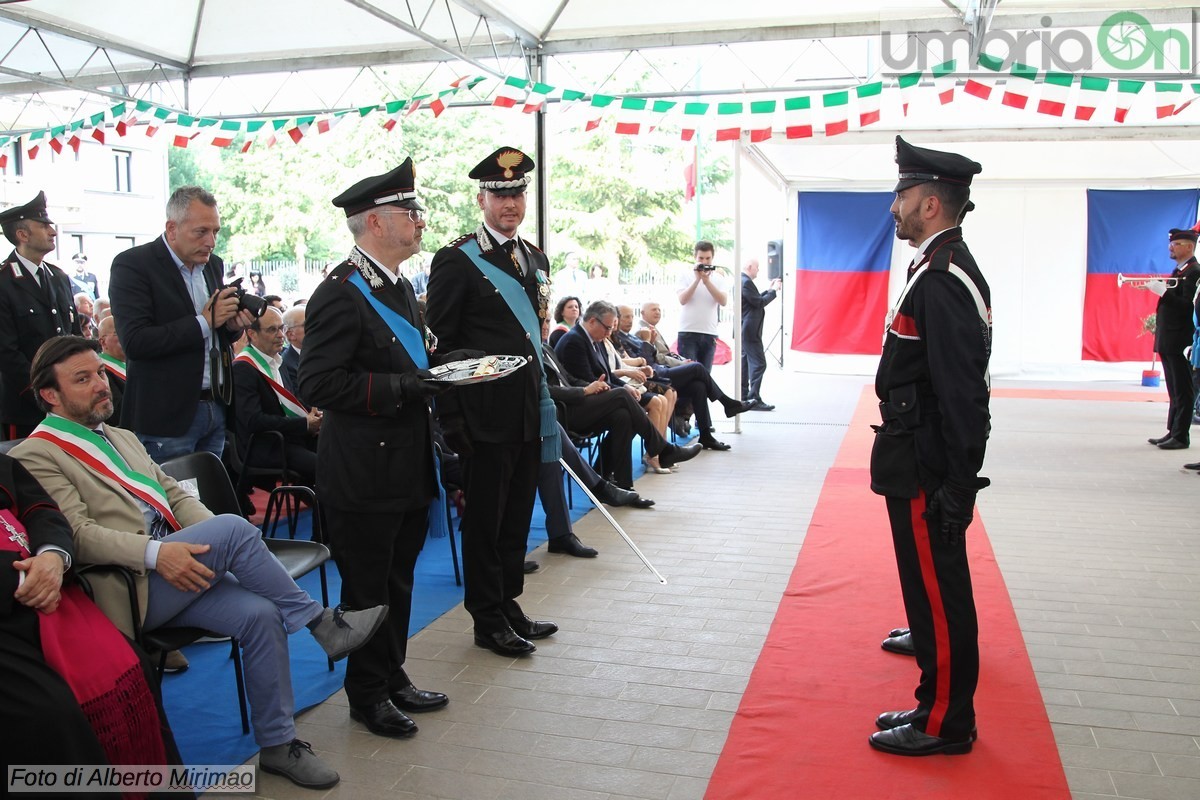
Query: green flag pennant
{"type": "Point", "coordinates": [231, 125]}
{"type": "Point", "coordinates": [834, 99]}
{"type": "Point", "coordinates": [58, 130]}
{"type": "Point", "coordinates": [1059, 78]}
{"type": "Point", "coordinates": [1129, 87]}
{"type": "Point", "coordinates": [633, 103]}
{"type": "Point", "coordinates": [278, 124]}
{"type": "Point", "coordinates": [663, 106]}
{"type": "Point", "coordinates": [869, 89]}
{"type": "Point", "coordinates": [762, 107]}
{"type": "Point", "coordinates": [394, 106]}
{"type": "Point", "coordinates": [602, 100]}
{"type": "Point", "coordinates": [161, 113]}
{"type": "Point", "coordinates": [142, 105]}
{"type": "Point", "coordinates": [1093, 84]}
{"type": "Point", "coordinates": [518, 83]}
{"type": "Point", "coordinates": [76, 125]}
{"type": "Point", "coordinates": [944, 69]}
{"type": "Point", "coordinates": [255, 125]}
{"type": "Point", "coordinates": [33, 136]}
{"type": "Point", "coordinates": [573, 95]}
{"type": "Point", "coordinates": [1024, 71]}
{"type": "Point", "coordinates": [96, 118]}
{"type": "Point", "coordinates": [542, 88]}
{"type": "Point", "coordinates": [184, 121]}
{"type": "Point", "coordinates": [725, 109]}
{"type": "Point", "coordinates": [909, 80]}
{"type": "Point", "coordinates": [207, 122]}
{"type": "Point", "coordinates": [478, 79]}
{"type": "Point", "coordinates": [117, 111]}
{"type": "Point", "coordinates": [305, 120]}
{"type": "Point", "coordinates": [797, 103]}
{"type": "Point", "coordinates": [1168, 87]}
{"type": "Point", "coordinates": [696, 109]}
{"type": "Point", "coordinates": [366, 110]}
{"type": "Point", "coordinates": [990, 62]}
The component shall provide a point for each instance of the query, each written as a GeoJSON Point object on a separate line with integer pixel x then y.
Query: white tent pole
{"type": "Point", "coordinates": [736, 289]}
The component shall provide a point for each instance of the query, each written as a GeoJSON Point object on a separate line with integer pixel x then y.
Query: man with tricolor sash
{"type": "Point", "coordinates": [264, 400]}
{"type": "Point", "coordinates": [490, 290]}
{"type": "Point", "coordinates": [191, 569]}
{"type": "Point", "coordinates": [365, 363]}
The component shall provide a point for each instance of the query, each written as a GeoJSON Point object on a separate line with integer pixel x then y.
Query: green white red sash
{"type": "Point", "coordinates": [94, 452]}
{"type": "Point", "coordinates": [254, 357]}
{"type": "Point", "coordinates": [114, 365]}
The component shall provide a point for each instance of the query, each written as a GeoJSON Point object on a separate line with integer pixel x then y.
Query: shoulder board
{"type": "Point", "coordinates": [533, 247]}
{"type": "Point", "coordinates": [341, 273]}
{"type": "Point", "coordinates": [460, 241]}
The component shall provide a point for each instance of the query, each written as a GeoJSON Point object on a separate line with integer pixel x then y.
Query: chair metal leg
{"type": "Point", "coordinates": [453, 544]}
{"type": "Point", "coordinates": [236, 655]}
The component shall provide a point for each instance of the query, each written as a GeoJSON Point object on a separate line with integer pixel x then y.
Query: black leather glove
{"type": "Point", "coordinates": [418, 385]}
{"type": "Point", "coordinates": [454, 431]}
{"type": "Point", "coordinates": [458, 355]}
{"type": "Point", "coordinates": [950, 510]}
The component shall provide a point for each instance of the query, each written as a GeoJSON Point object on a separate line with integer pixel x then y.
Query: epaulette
{"type": "Point", "coordinates": [341, 273]}
{"type": "Point", "coordinates": [460, 241]}
{"type": "Point", "coordinates": [533, 246]}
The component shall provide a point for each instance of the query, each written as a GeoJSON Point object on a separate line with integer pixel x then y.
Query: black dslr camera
{"type": "Point", "coordinates": [247, 301]}
{"type": "Point", "coordinates": [705, 268]}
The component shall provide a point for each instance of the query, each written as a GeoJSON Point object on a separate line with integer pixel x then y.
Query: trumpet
{"type": "Point", "coordinates": [1140, 281]}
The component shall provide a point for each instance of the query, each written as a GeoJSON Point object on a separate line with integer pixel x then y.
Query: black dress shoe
{"type": "Point", "coordinates": [505, 643]}
{"type": "Point", "coordinates": [570, 545]}
{"type": "Point", "coordinates": [894, 719]}
{"type": "Point", "coordinates": [1173, 444]}
{"type": "Point", "coordinates": [901, 644]}
{"type": "Point", "coordinates": [527, 628]}
{"type": "Point", "coordinates": [1152, 440]}
{"type": "Point", "coordinates": [384, 719]}
{"type": "Point", "coordinates": [529, 566]}
{"type": "Point", "coordinates": [612, 495]}
{"type": "Point", "coordinates": [759, 405]}
{"type": "Point", "coordinates": [416, 701]}
{"type": "Point", "coordinates": [1194, 465]}
{"type": "Point", "coordinates": [642, 502]}
{"type": "Point", "coordinates": [709, 443]}
{"type": "Point", "coordinates": [897, 632]}
{"type": "Point", "coordinates": [674, 454]}
{"type": "Point", "coordinates": [735, 407]}
{"type": "Point", "coordinates": [906, 740]}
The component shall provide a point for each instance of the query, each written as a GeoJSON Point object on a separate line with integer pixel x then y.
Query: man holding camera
{"type": "Point", "coordinates": [177, 324]}
{"type": "Point", "coordinates": [700, 297]}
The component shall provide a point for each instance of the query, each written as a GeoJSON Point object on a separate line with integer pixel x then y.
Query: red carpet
{"type": "Point", "coordinates": [801, 730]}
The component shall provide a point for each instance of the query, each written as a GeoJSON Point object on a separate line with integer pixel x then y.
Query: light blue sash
{"type": "Point", "coordinates": [518, 302]}
{"type": "Point", "coordinates": [406, 334]}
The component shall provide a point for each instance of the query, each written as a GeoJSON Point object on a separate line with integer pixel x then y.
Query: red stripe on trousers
{"type": "Point", "coordinates": [941, 629]}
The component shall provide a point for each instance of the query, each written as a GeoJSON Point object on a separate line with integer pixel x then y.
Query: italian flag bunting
{"type": "Point", "coordinates": [659, 109]}
{"type": "Point", "coordinates": [797, 117]}
{"type": "Point", "coordinates": [57, 137]}
{"type": "Point", "coordinates": [330, 121]}
{"type": "Point", "coordinates": [1127, 92]}
{"type": "Point", "coordinates": [630, 115]}
{"type": "Point", "coordinates": [906, 84]}
{"type": "Point", "coordinates": [1167, 97]}
{"type": "Point", "coordinates": [226, 132]}
{"type": "Point", "coordinates": [761, 114]}
{"type": "Point", "coordinates": [1056, 88]}
{"type": "Point", "coordinates": [1091, 92]}
{"type": "Point", "coordinates": [1195, 95]}
{"type": "Point", "coordinates": [690, 112]}
{"type": "Point", "coordinates": [536, 101]}
{"type": "Point", "coordinates": [943, 79]}
{"type": "Point", "coordinates": [394, 110]}
{"type": "Point", "coordinates": [158, 119]}
{"type": "Point", "coordinates": [511, 92]}
{"type": "Point", "coordinates": [982, 88]}
{"type": "Point", "coordinates": [182, 136]}
{"type": "Point", "coordinates": [869, 96]}
{"type": "Point", "coordinates": [729, 121]}
{"type": "Point", "coordinates": [97, 121]}
{"type": "Point", "coordinates": [1022, 79]}
{"type": "Point", "coordinates": [836, 105]}
{"type": "Point", "coordinates": [297, 132]}
{"type": "Point", "coordinates": [599, 101]}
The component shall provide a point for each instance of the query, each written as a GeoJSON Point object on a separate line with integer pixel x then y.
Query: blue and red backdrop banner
{"type": "Point", "coordinates": [1127, 233]}
{"type": "Point", "coordinates": [845, 252]}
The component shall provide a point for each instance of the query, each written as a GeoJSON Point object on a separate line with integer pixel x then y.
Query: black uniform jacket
{"type": "Point", "coordinates": [290, 369]}
{"type": "Point", "coordinates": [1173, 326]}
{"type": "Point", "coordinates": [933, 377]}
{"type": "Point", "coordinates": [754, 305]}
{"type": "Point", "coordinates": [44, 525]}
{"type": "Point", "coordinates": [28, 317]}
{"type": "Point", "coordinates": [164, 345]}
{"type": "Point", "coordinates": [257, 408]}
{"type": "Point", "coordinates": [375, 452]}
{"type": "Point", "coordinates": [580, 356]}
{"type": "Point", "coordinates": [464, 310]}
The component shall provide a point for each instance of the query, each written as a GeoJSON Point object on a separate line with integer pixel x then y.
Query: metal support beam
{"type": "Point", "coordinates": [25, 18]}
{"type": "Point", "coordinates": [480, 8]}
{"type": "Point", "coordinates": [436, 43]}
{"type": "Point", "coordinates": [537, 68]}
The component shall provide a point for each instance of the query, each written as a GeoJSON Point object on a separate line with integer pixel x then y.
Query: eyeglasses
{"type": "Point", "coordinates": [414, 215]}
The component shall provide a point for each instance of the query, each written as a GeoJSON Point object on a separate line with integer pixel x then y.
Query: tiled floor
{"type": "Point", "coordinates": [1095, 532]}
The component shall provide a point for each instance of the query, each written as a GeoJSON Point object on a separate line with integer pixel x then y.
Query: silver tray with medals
{"type": "Point", "coordinates": [477, 370]}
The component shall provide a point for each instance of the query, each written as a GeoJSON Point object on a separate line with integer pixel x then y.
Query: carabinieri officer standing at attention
{"type": "Point", "coordinates": [934, 389]}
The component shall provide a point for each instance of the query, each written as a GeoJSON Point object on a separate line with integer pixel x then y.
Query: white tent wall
{"type": "Point", "coordinates": [1028, 233]}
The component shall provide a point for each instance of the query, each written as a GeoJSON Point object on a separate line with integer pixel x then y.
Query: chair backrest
{"type": "Point", "coordinates": [9, 445]}
{"type": "Point", "coordinates": [216, 490]}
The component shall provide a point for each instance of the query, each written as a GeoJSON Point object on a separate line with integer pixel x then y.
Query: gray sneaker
{"type": "Point", "coordinates": [341, 632]}
{"type": "Point", "coordinates": [299, 764]}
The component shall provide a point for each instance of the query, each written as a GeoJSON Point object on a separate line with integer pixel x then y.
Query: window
{"type": "Point", "coordinates": [124, 243]}
{"type": "Point", "coordinates": [124, 169]}
{"type": "Point", "coordinates": [76, 243]}
{"type": "Point", "coordinates": [15, 160]}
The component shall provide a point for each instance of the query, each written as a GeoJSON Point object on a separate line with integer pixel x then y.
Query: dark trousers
{"type": "Point", "coordinates": [754, 365]}
{"type": "Point", "coordinates": [500, 482]}
{"type": "Point", "coordinates": [1177, 373]}
{"type": "Point", "coordinates": [619, 414]}
{"type": "Point", "coordinates": [551, 489]}
{"type": "Point", "coordinates": [376, 554]}
{"type": "Point", "coordinates": [936, 583]}
{"type": "Point", "coordinates": [698, 347]}
{"type": "Point", "coordinates": [694, 383]}
{"type": "Point", "coordinates": [300, 460]}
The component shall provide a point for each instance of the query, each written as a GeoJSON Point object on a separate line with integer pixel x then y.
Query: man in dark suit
{"type": "Point", "coordinates": [754, 356]}
{"type": "Point", "coordinates": [293, 331]}
{"type": "Point", "coordinates": [113, 356]}
{"type": "Point", "coordinates": [36, 303]}
{"type": "Point", "coordinates": [365, 364]}
{"type": "Point", "coordinates": [177, 325]}
{"type": "Point", "coordinates": [488, 291]}
{"type": "Point", "coordinates": [597, 402]}
{"type": "Point", "coordinates": [264, 401]}
{"type": "Point", "coordinates": [1173, 334]}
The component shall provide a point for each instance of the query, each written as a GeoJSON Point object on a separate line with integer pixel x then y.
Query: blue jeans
{"type": "Point", "coordinates": [206, 433]}
{"type": "Point", "coordinates": [698, 347]}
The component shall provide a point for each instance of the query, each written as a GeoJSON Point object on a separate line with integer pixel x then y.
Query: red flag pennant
{"type": "Point", "coordinates": [74, 142]}
{"type": "Point", "coordinates": [98, 135]}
